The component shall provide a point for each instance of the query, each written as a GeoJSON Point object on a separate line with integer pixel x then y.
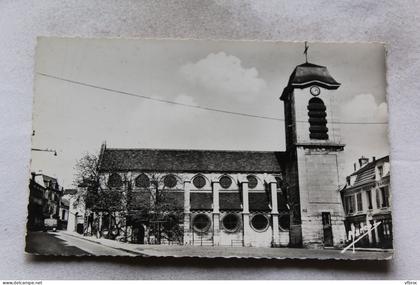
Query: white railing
{"type": "Point", "coordinates": [359, 238]}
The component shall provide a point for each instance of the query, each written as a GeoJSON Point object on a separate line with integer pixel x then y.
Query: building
{"type": "Point", "coordinates": [44, 200]}
{"type": "Point", "coordinates": [64, 213]}
{"type": "Point", "coordinates": [367, 203]}
{"type": "Point", "coordinates": [242, 198]}
{"type": "Point", "coordinates": [76, 212]}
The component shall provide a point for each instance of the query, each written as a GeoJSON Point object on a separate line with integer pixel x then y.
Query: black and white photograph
{"type": "Point", "coordinates": [209, 148]}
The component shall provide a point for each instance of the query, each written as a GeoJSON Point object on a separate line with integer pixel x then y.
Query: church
{"type": "Point", "coordinates": [285, 198]}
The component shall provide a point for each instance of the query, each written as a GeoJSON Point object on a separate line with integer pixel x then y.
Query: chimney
{"type": "Point", "coordinates": [355, 166]}
{"type": "Point", "coordinates": [363, 161]}
{"type": "Point", "coordinates": [373, 158]}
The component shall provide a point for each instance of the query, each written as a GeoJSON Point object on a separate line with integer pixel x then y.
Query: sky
{"type": "Point", "coordinates": [237, 76]}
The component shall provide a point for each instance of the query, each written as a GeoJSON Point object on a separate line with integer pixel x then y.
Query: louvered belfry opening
{"type": "Point", "coordinates": [317, 119]}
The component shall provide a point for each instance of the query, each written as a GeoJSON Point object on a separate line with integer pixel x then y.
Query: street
{"type": "Point", "coordinates": [67, 243]}
{"type": "Point", "coordinates": [58, 243]}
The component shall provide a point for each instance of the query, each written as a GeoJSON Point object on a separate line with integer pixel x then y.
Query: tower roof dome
{"type": "Point", "coordinates": [308, 74]}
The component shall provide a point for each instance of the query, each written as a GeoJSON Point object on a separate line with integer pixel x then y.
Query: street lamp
{"type": "Point", "coordinates": [47, 150]}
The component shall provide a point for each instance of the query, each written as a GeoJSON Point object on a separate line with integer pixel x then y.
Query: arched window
{"type": "Point", "coordinates": [169, 181]}
{"type": "Point", "coordinates": [115, 180]}
{"type": "Point", "coordinates": [317, 119]}
{"type": "Point", "coordinates": [225, 181]}
{"type": "Point", "coordinates": [259, 222]}
{"type": "Point", "coordinates": [230, 222]}
{"type": "Point", "coordinates": [199, 181]}
{"type": "Point", "coordinates": [142, 181]}
{"type": "Point", "coordinates": [201, 223]}
{"type": "Point", "coordinates": [252, 181]}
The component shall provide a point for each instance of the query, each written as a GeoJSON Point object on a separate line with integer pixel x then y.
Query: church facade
{"type": "Point", "coordinates": [285, 198]}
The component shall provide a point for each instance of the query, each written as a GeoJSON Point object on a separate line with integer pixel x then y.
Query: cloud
{"type": "Point", "coordinates": [364, 139]}
{"type": "Point", "coordinates": [225, 74]}
{"type": "Point", "coordinates": [363, 108]}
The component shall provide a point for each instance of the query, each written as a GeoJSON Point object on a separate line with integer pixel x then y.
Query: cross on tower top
{"type": "Point", "coordinates": [306, 51]}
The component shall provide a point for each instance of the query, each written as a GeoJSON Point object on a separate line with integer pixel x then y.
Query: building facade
{"type": "Point", "coordinates": [76, 211]}
{"type": "Point", "coordinates": [64, 213]}
{"type": "Point", "coordinates": [367, 203]}
{"type": "Point", "coordinates": [242, 198]}
{"type": "Point", "coordinates": [44, 200]}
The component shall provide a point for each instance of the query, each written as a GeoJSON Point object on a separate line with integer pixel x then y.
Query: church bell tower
{"type": "Point", "coordinates": [314, 150]}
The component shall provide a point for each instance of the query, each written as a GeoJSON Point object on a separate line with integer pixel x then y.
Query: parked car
{"type": "Point", "coordinates": [50, 225]}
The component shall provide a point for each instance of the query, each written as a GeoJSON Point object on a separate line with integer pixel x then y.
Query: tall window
{"type": "Point", "coordinates": [317, 119]}
{"type": "Point", "coordinates": [350, 207]}
{"type": "Point", "coordinates": [359, 202]}
{"type": "Point", "coordinates": [380, 171]}
{"type": "Point", "coordinates": [369, 199]}
{"type": "Point", "coordinates": [385, 196]}
{"type": "Point", "coordinates": [378, 198]}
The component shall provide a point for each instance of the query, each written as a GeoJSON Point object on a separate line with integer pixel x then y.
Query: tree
{"type": "Point", "coordinates": [154, 206]}
{"type": "Point", "coordinates": [96, 198]}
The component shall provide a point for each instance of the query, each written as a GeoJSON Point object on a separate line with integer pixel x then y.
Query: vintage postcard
{"type": "Point", "coordinates": [210, 149]}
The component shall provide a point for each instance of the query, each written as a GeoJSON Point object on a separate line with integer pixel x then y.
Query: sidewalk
{"type": "Point", "coordinates": [219, 251]}
{"type": "Point", "coordinates": [127, 247]}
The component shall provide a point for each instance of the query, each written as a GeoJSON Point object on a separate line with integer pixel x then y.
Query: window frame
{"type": "Point", "coordinates": [359, 202]}
{"type": "Point", "coordinates": [369, 199]}
{"type": "Point", "coordinates": [237, 226]}
{"type": "Point", "coordinates": [249, 183]}
{"type": "Point", "coordinates": [138, 177]}
{"type": "Point", "coordinates": [317, 119]}
{"type": "Point", "coordinates": [169, 176]}
{"type": "Point", "coordinates": [204, 229]}
{"type": "Point", "coordinates": [115, 174]}
{"type": "Point", "coordinates": [230, 183]}
{"type": "Point", "coordinates": [262, 229]}
{"type": "Point", "coordinates": [384, 192]}
{"type": "Point", "coordinates": [199, 176]}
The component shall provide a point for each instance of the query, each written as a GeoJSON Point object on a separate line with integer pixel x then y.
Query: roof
{"type": "Point", "coordinates": [308, 74]}
{"type": "Point", "coordinates": [370, 165]}
{"type": "Point", "coordinates": [366, 173]}
{"type": "Point", "coordinates": [112, 159]}
{"type": "Point", "coordinates": [46, 181]}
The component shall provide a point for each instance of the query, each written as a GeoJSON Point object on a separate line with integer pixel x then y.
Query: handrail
{"type": "Point", "coordinates": [359, 238]}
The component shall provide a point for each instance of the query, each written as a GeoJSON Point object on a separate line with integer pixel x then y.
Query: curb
{"type": "Point", "coordinates": [97, 242]}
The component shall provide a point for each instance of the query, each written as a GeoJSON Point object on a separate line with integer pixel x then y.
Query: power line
{"type": "Point", "coordinates": [190, 105]}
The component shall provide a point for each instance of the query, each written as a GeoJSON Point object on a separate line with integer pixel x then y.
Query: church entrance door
{"type": "Point", "coordinates": [138, 234]}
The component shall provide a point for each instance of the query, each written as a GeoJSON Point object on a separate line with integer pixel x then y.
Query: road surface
{"type": "Point", "coordinates": [56, 243]}
{"type": "Point", "coordinates": [66, 243]}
